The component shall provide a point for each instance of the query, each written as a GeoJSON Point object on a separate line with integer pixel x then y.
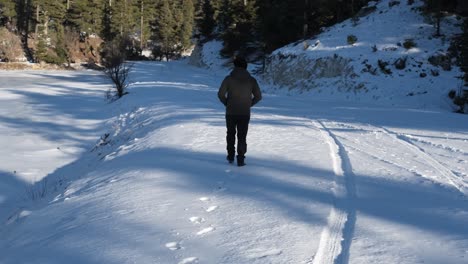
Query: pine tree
{"type": "Point", "coordinates": [187, 23]}
{"type": "Point", "coordinates": [164, 32]}
{"type": "Point", "coordinates": [122, 19]}
{"type": "Point", "coordinates": [240, 26]}
{"type": "Point", "coordinates": [107, 32]}
{"type": "Point", "coordinates": [464, 51]}
{"type": "Point", "coordinates": [280, 22]}
{"type": "Point", "coordinates": [145, 11]}
{"type": "Point", "coordinates": [85, 15]}
{"type": "Point", "coordinates": [206, 22]}
{"type": "Point", "coordinates": [7, 12]}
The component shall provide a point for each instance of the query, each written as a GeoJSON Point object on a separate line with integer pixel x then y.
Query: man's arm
{"type": "Point", "coordinates": [222, 92]}
{"type": "Point", "coordinates": [256, 93]}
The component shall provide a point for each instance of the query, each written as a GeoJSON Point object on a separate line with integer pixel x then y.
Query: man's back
{"type": "Point", "coordinates": [236, 92]}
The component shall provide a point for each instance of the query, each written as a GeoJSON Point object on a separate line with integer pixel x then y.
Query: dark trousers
{"type": "Point", "coordinates": [239, 124]}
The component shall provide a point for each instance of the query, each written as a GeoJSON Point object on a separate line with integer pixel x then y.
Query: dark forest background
{"type": "Point", "coordinates": [68, 31]}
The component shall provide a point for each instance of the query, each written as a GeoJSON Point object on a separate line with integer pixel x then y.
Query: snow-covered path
{"type": "Point", "coordinates": [325, 182]}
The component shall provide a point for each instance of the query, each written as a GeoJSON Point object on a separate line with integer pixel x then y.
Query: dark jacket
{"type": "Point", "coordinates": [238, 92]}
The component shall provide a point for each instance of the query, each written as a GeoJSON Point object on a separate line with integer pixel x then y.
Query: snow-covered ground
{"type": "Point", "coordinates": [325, 181]}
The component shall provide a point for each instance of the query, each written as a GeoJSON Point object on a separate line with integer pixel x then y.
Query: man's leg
{"type": "Point", "coordinates": [231, 137]}
{"type": "Point", "coordinates": [242, 128]}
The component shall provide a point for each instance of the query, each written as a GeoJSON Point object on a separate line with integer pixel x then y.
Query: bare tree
{"type": "Point", "coordinates": [115, 66]}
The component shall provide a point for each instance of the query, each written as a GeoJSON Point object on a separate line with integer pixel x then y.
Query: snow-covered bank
{"type": "Point", "coordinates": [347, 183]}
{"type": "Point", "coordinates": [47, 120]}
{"type": "Point", "coordinates": [377, 67]}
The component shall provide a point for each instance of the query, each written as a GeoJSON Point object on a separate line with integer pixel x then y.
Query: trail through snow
{"type": "Point", "coordinates": [324, 182]}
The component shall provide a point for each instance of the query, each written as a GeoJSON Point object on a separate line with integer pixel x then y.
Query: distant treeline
{"type": "Point", "coordinates": [58, 31]}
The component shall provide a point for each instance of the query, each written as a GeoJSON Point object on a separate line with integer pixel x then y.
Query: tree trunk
{"type": "Point", "coordinates": [36, 30]}
{"type": "Point", "coordinates": [46, 24]}
{"type": "Point", "coordinates": [141, 26]}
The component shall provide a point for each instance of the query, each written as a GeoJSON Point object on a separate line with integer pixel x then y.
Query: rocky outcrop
{"type": "Point", "coordinates": [287, 70]}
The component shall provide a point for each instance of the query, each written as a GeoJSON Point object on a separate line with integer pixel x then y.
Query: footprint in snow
{"type": "Point", "coordinates": [189, 260]}
{"type": "Point", "coordinates": [221, 187]}
{"type": "Point", "coordinates": [205, 231]}
{"type": "Point", "coordinates": [196, 220]}
{"type": "Point", "coordinates": [173, 246]}
{"type": "Point", "coordinates": [211, 208]}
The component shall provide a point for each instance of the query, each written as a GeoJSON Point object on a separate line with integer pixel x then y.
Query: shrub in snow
{"type": "Point", "coordinates": [460, 98]}
{"type": "Point", "coordinates": [409, 44]}
{"type": "Point", "coordinates": [461, 101]}
{"type": "Point", "coordinates": [410, 2]}
{"type": "Point", "coordinates": [374, 48]}
{"type": "Point", "coordinates": [393, 3]}
{"type": "Point", "coordinates": [452, 94]}
{"type": "Point", "coordinates": [352, 39]}
{"type": "Point", "coordinates": [115, 67]}
{"type": "Point", "coordinates": [441, 60]}
{"type": "Point", "coordinates": [400, 63]}
{"type": "Point", "coordinates": [383, 67]}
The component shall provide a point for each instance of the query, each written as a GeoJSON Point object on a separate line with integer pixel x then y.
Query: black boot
{"type": "Point", "coordinates": [240, 161]}
{"type": "Point", "coordinates": [230, 158]}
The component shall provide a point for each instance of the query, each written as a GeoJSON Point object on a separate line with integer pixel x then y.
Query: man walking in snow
{"type": "Point", "coordinates": [238, 92]}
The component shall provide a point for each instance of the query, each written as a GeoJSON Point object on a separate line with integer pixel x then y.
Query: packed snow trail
{"type": "Point", "coordinates": [323, 182]}
{"type": "Point", "coordinates": [336, 238]}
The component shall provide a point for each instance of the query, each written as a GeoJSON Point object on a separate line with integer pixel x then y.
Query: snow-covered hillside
{"type": "Point", "coordinates": [327, 66]}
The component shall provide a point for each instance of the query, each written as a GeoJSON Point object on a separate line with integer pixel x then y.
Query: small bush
{"type": "Point", "coordinates": [452, 94]}
{"type": "Point", "coordinates": [409, 44]}
{"type": "Point", "coordinates": [374, 48]}
{"type": "Point", "coordinates": [352, 39]}
{"type": "Point", "coordinates": [400, 63]}
{"type": "Point", "coordinates": [460, 101]}
{"type": "Point", "coordinates": [115, 67]}
{"type": "Point", "coordinates": [383, 67]}
{"type": "Point", "coordinates": [441, 60]}
{"type": "Point", "coordinates": [393, 3]}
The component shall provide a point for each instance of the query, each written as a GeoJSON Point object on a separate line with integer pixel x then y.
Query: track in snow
{"type": "Point", "coordinates": [448, 175]}
{"type": "Point", "coordinates": [336, 238]}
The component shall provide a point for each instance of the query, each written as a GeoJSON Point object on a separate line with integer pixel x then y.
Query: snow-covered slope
{"type": "Point", "coordinates": [323, 183]}
{"type": "Point", "coordinates": [327, 66]}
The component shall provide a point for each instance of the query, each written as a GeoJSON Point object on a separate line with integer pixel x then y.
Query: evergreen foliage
{"type": "Point", "coordinates": [240, 26]}
{"type": "Point", "coordinates": [206, 22]}
{"type": "Point", "coordinates": [250, 27]}
{"type": "Point", "coordinates": [7, 12]}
